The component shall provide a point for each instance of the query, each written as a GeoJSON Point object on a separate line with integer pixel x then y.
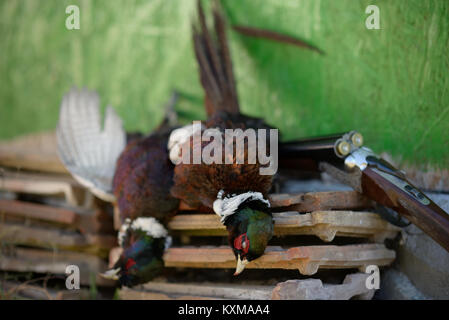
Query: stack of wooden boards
{"type": "Point", "coordinates": [48, 221]}
{"type": "Point", "coordinates": [326, 215]}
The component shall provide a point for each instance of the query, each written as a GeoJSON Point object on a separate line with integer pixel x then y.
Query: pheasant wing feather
{"type": "Point", "coordinates": [87, 150]}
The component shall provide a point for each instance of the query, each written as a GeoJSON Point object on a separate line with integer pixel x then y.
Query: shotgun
{"type": "Point", "coordinates": [345, 158]}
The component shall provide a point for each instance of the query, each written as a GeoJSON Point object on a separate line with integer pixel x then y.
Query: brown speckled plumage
{"type": "Point", "coordinates": [143, 178]}
{"type": "Point", "coordinates": [198, 184]}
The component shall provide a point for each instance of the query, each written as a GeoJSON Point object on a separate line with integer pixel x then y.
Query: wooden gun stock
{"type": "Point", "coordinates": [407, 200]}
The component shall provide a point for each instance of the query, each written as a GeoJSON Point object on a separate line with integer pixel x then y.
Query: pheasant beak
{"type": "Point", "coordinates": [241, 264]}
{"type": "Point", "coordinates": [111, 274]}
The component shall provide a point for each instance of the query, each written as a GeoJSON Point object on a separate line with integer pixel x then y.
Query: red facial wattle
{"type": "Point", "coordinates": [238, 243]}
{"type": "Point", "coordinates": [130, 263]}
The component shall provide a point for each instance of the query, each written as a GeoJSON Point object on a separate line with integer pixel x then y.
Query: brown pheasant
{"type": "Point", "coordinates": [235, 190]}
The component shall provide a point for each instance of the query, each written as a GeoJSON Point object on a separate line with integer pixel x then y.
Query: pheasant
{"type": "Point", "coordinates": [236, 191]}
{"type": "Point", "coordinates": [136, 175]}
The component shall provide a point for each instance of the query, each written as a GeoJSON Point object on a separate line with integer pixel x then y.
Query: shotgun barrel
{"type": "Point", "coordinates": [369, 174]}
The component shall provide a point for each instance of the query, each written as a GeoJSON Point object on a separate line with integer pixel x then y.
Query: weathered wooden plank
{"type": "Point", "coordinates": [87, 221]}
{"type": "Point", "coordinates": [38, 211]}
{"type": "Point", "coordinates": [57, 239]}
{"type": "Point", "coordinates": [132, 294]}
{"type": "Point", "coordinates": [151, 290]}
{"type": "Point", "coordinates": [311, 201]}
{"type": "Point", "coordinates": [353, 286]}
{"type": "Point", "coordinates": [54, 263]}
{"type": "Point", "coordinates": [225, 291]}
{"type": "Point", "coordinates": [324, 224]}
{"type": "Point", "coordinates": [315, 201]}
{"type": "Point", "coordinates": [327, 224]}
{"type": "Point", "coordinates": [117, 220]}
{"type": "Point", "coordinates": [42, 184]}
{"type": "Point", "coordinates": [32, 152]}
{"type": "Point", "coordinates": [12, 290]}
{"type": "Point", "coordinates": [307, 259]}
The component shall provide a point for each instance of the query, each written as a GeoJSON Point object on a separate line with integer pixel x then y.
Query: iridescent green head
{"type": "Point", "coordinates": [250, 226]}
{"type": "Point", "coordinates": [143, 241]}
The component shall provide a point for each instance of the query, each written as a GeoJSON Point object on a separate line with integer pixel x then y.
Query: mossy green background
{"type": "Point", "coordinates": [390, 84]}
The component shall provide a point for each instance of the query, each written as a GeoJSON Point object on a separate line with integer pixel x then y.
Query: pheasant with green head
{"type": "Point", "coordinates": [143, 241]}
{"type": "Point", "coordinates": [136, 175]}
{"type": "Point", "coordinates": [236, 191]}
{"type": "Point", "coordinates": [250, 227]}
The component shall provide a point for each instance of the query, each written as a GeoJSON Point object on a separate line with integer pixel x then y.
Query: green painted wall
{"type": "Point", "coordinates": [391, 84]}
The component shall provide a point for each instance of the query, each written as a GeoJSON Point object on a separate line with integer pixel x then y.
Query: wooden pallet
{"type": "Point", "coordinates": [67, 227]}
{"type": "Point", "coordinates": [306, 259]}
{"type": "Point", "coordinates": [323, 224]}
{"type": "Point", "coordinates": [83, 220]}
{"type": "Point", "coordinates": [55, 263]}
{"type": "Point", "coordinates": [323, 214]}
{"type": "Point", "coordinates": [353, 287]}
{"type": "Point", "coordinates": [36, 152]}
{"type": "Point", "coordinates": [312, 201]}
{"type": "Point", "coordinates": [44, 185]}
{"type": "Point", "coordinates": [53, 238]}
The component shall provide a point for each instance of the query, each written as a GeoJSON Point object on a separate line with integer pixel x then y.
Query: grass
{"type": "Point", "coordinates": [391, 84]}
